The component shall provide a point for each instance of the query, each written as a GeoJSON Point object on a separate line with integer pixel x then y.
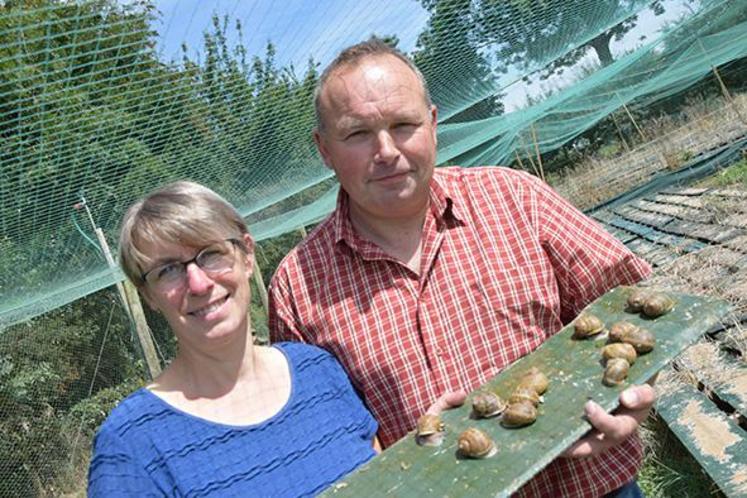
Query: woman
{"type": "Point", "coordinates": [226, 418]}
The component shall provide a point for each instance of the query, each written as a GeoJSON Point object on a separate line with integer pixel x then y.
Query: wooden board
{"type": "Point", "coordinates": [406, 469]}
{"type": "Point", "coordinates": [716, 442]}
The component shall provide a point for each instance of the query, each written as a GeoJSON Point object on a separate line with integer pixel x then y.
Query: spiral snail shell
{"type": "Point", "coordinates": [587, 325]}
{"type": "Point", "coordinates": [487, 404]}
{"type": "Point", "coordinates": [474, 443]}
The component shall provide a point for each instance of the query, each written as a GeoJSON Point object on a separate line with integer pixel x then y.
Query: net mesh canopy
{"type": "Point", "coordinates": [102, 101]}
{"type": "Point", "coordinates": [95, 110]}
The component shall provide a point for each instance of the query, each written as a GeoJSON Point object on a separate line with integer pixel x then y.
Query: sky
{"type": "Point", "coordinates": [320, 28]}
{"type": "Point", "coordinates": [298, 28]}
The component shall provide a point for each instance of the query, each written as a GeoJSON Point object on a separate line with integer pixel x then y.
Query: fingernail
{"type": "Point", "coordinates": [590, 407]}
{"type": "Point", "coordinates": [630, 397]}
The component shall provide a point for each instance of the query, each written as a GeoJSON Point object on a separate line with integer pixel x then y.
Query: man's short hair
{"type": "Point", "coordinates": [352, 55]}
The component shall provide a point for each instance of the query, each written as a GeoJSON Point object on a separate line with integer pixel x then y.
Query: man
{"type": "Point", "coordinates": [424, 282]}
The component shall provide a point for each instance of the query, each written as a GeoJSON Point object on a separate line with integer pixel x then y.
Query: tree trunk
{"type": "Point", "coordinates": [601, 45]}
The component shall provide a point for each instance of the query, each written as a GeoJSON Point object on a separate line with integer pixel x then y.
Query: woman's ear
{"type": "Point", "coordinates": [249, 244]}
{"type": "Point", "coordinates": [147, 298]}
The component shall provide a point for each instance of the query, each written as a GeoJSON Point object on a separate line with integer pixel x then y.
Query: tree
{"type": "Point", "coordinates": [459, 77]}
{"type": "Point", "coordinates": [532, 35]}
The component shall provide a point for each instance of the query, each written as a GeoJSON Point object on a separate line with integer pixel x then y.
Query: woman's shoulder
{"type": "Point", "coordinates": [302, 350]}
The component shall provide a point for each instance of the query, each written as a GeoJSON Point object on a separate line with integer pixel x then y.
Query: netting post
{"type": "Point", "coordinates": [518, 158]}
{"type": "Point", "coordinates": [620, 132]}
{"type": "Point", "coordinates": [537, 150]}
{"type": "Point", "coordinates": [528, 155]}
{"type": "Point", "coordinates": [134, 307]}
{"type": "Point", "coordinates": [260, 284]}
{"type": "Point", "coordinates": [722, 86]}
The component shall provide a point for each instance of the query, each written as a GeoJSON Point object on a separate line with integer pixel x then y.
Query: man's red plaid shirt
{"type": "Point", "coordinates": [505, 263]}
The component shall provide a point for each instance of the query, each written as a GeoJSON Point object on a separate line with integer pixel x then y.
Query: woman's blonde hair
{"type": "Point", "coordinates": [181, 213]}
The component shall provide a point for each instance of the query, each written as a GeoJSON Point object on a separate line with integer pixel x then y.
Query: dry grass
{"type": "Point", "coordinates": [703, 125]}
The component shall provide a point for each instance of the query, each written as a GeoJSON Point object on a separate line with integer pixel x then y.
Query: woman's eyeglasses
{"type": "Point", "coordinates": [213, 259]}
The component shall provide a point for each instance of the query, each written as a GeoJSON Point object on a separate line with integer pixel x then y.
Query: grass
{"type": "Point", "coordinates": [736, 174]}
{"type": "Point", "coordinates": [669, 471]}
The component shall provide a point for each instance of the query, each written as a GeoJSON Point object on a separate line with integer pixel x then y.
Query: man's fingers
{"type": "Point", "coordinates": [589, 445]}
{"type": "Point", "coordinates": [447, 400]}
{"type": "Point", "coordinates": [615, 428]}
{"type": "Point", "coordinates": [638, 397]}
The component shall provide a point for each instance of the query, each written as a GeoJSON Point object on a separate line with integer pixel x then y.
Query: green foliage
{"type": "Point", "coordinates": [735, 174]}
{"type": "Point", "coordinates": [47, 366]}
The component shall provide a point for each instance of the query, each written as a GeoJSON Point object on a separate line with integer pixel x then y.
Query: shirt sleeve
{"type": "Point", "coordinates": [587, 260]}
{"type": "Point", "coordinates": [283, 319]}
{"type": "Point", "coordinates": [114, 472]}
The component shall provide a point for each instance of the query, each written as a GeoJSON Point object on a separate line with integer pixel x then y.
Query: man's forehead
{"type": "Point", "coordinates": [370, 75]}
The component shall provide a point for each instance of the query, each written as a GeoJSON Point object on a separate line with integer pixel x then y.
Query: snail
{"type": "Point", "coordinates": [487, 404]}
{"type": "Point", "coordinates": [587, 325]}
{"type": "Point", "coordinates": [618, 330]}
{"type": "Point", "coordinates": [641, 339]}
{"type": "Point", "coordinates": [657, 304]}
{"type": "Point", "coordinates": [519, 414]}
{"type": "Point", "coordinates": [615, 372]}
{"type": "Point", "coordinates": [429, 430]}
{"type": "Point", "coordinates": [619, 350]}
{"type": "Point", "coordinates": [524, 394]}
{"type": "Point", "coordinates": [474, 443]}
{"type": "Point", "coordinates": [636, 299]}
{"type": "Point", "coordinates": [536, 380]}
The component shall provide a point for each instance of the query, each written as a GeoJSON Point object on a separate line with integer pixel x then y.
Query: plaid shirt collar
{"type": "Point", "coordinates": [443, 209]}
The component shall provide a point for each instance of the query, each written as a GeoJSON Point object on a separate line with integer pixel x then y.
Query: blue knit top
{"type": "Point", "coordinates": [147, 447]}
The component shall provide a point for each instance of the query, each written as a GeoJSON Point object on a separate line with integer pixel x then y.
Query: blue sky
{"type": "Point", "coordinates": [298, 28]}
{"type": "Point", "coordinates": [320, 28]}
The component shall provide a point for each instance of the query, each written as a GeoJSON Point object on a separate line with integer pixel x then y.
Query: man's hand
{"type": "Point", "coordinates": [446, 401]}
{"type": "Point", "coordinates": [612, 429]}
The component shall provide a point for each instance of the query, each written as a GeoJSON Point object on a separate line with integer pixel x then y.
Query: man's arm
{"type": "Point", "coordinates": [283, 321]}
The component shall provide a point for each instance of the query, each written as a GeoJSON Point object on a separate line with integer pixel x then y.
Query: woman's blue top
{"type": "Point", "coordinates": [146, 447]}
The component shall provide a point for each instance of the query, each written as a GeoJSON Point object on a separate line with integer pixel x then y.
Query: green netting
{"type": "Point", "coordinates": [95, 112]}
{"type": "Point", "coordinates": [90, 110]}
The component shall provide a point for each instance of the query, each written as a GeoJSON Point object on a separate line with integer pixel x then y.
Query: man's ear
{"type": "Point", "coordinates": [434, 122]}
{"type": "Point", "coordinates": [321, 147]}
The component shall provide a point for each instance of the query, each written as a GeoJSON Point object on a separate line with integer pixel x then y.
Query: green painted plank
{"type": "Point", "coordinates": [717, 443]}
{"type": "Point", "coordinates": [406, 469]}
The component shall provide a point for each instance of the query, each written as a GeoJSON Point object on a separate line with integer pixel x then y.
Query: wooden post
{"type": "Point", "coordinates": [134, 308]}
{"type": "Point", "coordinates": [619, 132]}
{"type": "Point", "coordinates": [302, 229]}
{"type": "Point", "coordinates": [632, 119]}
{"type": "Point", "coordinates": [518, 158]}
{"type": "Point", "coordinates": [260, 284]}
{"type": "Point", "coordinates": [528, 155]}
{"type": "Point", "coordinates": [724, 91]}
{"type": "Point", "coordinates": [537, 151]}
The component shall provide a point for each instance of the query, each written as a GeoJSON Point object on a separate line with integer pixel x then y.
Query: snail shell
{"type": "Point", "coordinates": [615, 372]}
{"type": "Point", "coordinates": [474, 443]}
{"type": "Point", "coordinates": [487, 404]}
{"type": "Point", "coordinates": [636, 300]}
{"type": "Point", "coordinates": [657, 304]}
{"type": "Point", "coordinates": [641, 339]}
{"type": "Point", "coordinates": [587, 325]}
{"type": "Point", "coordinates": [524, 394]}
{"type": "Point", "coordinates": [519, 414]}
{"type": "Point", "coordinates": [619, 350]}
{"type": "Point", "coordinates": [618, 330]}
{"type": "Point", "coordinates": [536, 380]}
{"type": "Point", "coordinates": [429, 424]}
